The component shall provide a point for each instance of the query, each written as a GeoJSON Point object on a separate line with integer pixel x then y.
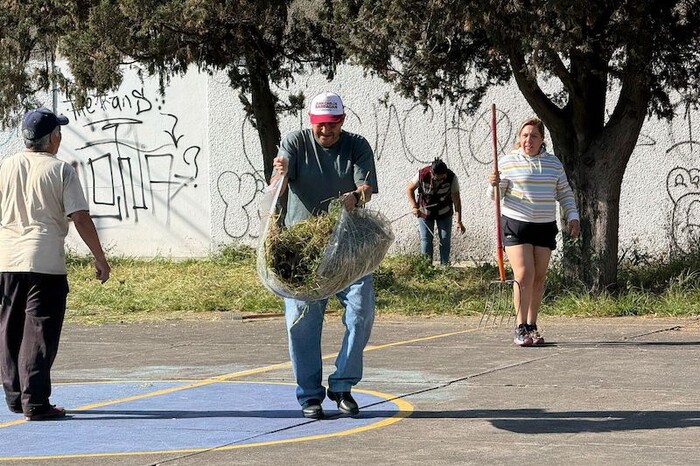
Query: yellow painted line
{"type": "Point", "coordinates": [404, 410]}
{"type": "Point", "coordinates": [233, 375]}
{"type": "Point", "coordinates": [239, 374]}
{"type": "Point", "coordinates": [12, 423]}
{"type": "Point", "coordinates": [418, 340]}
{"type": "Point", "coordinates": [245, 373]}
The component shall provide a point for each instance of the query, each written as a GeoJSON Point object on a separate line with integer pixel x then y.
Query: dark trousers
{"type": "Point", "coordinates": [31, 317]}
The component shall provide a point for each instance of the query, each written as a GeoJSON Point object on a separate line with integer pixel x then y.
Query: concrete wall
{"type": "Point", "coordinates": [143, 160]}
{"type": "Point", "coordinates": [181, 174]}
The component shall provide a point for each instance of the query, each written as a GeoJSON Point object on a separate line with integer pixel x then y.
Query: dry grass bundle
{"type": "Point", "coordinates": [294, 254]}
{"type": "Point", "coordinates": [322, 255]}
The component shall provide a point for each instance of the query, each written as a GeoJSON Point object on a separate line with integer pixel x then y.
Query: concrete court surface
{"type": "Point", "coordinates": [436, 391]}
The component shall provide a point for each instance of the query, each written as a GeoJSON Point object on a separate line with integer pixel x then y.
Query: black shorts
{"type": "Point", "coordinates": [516, 232]}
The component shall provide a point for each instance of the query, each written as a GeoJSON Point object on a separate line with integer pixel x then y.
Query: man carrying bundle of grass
{"type": "Point", "coordinates": [318, 165]}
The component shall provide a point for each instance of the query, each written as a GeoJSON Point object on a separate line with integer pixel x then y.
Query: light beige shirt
{"type": "Point", "coordinates": [37, 193]}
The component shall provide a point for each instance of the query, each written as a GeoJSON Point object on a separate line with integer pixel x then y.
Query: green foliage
{"type": "Point", "coordinates": [251, 40]}
{"type": "Point", "coordinates": [257, 43]}
{"type": "Point", "coordinates": [163, 288]}
{"type": "Point", "coordinates": [233, 254]}
{"type": "Point", "coordinates": [661, 274]}
{"type": "Point", "coordinates": [648, 285]}
{"type": "Point", "coordinates": [411, 285]}
{"type": "Point", "coordinates": [456, 50]}
{"type": "Point", "coordinates": [28, 41]}
{"type": "Point", "coordinates": [416, 266]}
{"type": "Point", "coordinates": [294, 254]}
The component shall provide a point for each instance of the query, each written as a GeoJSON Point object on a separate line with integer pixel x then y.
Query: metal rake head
{"type": "Point", "coordinates": [499, 304]}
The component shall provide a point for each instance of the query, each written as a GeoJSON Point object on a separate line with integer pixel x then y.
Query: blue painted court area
{"type": "Point", "coordinates": [147, 417]}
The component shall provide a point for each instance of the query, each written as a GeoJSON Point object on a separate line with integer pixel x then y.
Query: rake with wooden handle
{"type": "Point", "coordinates": [499, 302]}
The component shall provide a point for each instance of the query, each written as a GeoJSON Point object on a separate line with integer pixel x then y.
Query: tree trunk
{"type": "Point", "coordinates": [596, 177]}
{"type": "Point", "coordinates": [593, 258]}
{"type": "Point", "coordinates": [263, 103]}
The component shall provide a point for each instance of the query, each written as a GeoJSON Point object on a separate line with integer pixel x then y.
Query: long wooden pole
{"type": "Point", "coordinates": [497, 197]}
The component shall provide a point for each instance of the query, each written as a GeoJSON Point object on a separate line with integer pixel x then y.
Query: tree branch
{"type": "Point", "coordinates": [550, 114]}
{"type": "Point", "coordinates": [560, 70]}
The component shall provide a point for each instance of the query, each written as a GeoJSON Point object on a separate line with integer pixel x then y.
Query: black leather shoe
{"type": "Point", "coordinates": [312, 409]}
{"type": "Point", "coordinates": [46, 414]}
{"type": "Point", "coordinates": [346, 403]}
{"type": "Point", "coordinates": [16, 408]}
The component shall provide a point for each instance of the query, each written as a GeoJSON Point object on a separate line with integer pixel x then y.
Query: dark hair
{"type": "Point", "coordinates": [438, 167]}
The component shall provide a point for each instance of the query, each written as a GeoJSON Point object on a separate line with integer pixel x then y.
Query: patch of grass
{"type": "Point", "coordinates": [160, 288]}
{"type": "Point", "coordinates": [156, 288]}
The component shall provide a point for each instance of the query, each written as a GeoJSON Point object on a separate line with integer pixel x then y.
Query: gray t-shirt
{"type": "Point", "coordinates": [318, 174]}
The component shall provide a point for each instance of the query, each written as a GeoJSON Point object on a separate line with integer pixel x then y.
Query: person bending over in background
{"type": "Point", "coordinates": [438, 198]}
{"type": "Point", "coordinates": [531, 181]}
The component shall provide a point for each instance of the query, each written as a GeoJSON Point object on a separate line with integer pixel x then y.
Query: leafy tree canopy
{"type": "Point", "coordinates": [451, 49]}
{"type": "Point", "coordinates": [166, 37]}
{"type": "Point", "coordinates": [258, 43]}
{"type": "Point", "coordinates": [27, 50]}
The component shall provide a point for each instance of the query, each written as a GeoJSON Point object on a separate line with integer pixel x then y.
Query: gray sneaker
{"type": "Point", "coordinates": [522, 336]}
{"type": "Point", "coordinates": [535, 335]}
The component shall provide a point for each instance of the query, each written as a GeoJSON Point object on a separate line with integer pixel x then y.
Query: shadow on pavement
{"type": "Point", "coordinates": [579, 344]}
{"type": "Point", "coordinates": [526, 421]}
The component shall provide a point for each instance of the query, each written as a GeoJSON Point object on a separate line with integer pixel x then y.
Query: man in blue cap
{"type": "Point", "coordinates": [39, 195]}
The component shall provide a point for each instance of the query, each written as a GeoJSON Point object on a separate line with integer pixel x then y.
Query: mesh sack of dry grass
{"type": "Point", "coordinates": [322, 255]}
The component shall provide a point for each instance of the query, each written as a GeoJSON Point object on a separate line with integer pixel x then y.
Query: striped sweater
{"type": "Point", "coordinates": [531, 186]}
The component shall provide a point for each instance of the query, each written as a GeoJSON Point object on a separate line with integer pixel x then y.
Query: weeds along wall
{"type": "Point", "coordinates": [181, 174]}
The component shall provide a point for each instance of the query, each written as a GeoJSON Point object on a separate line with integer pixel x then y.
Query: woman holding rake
{"type": "Point", "coordinates": [531, 181]}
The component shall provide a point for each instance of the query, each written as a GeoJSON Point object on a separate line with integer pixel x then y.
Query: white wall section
{"type": "Point", "coordinates": [180, 175]}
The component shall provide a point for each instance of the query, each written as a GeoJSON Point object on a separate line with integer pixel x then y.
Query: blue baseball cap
{"type": "Point", "coordinates": [39, 122]}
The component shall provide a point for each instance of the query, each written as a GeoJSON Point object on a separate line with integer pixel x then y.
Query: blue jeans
{"type": "Point", "coordinates": [304, 324]}
{"type": "Point", "coordinates": [426, 228]}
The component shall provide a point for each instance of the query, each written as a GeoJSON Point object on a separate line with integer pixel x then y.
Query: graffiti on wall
{"type": "Point", "coordinates": [683, 187]}
{"type": "Point", "coordinates": [464, 142]}
{"type": "Point", "coordinates": [240, 193]}
{"type": "Point", "coordinates": [136, 155]}
{"type": "Point", "coordinates": [457, 138]}
{"type": "Point", "coordinates": [683, 184]}
{"type": "Point", "coordinates": [449, 132]}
